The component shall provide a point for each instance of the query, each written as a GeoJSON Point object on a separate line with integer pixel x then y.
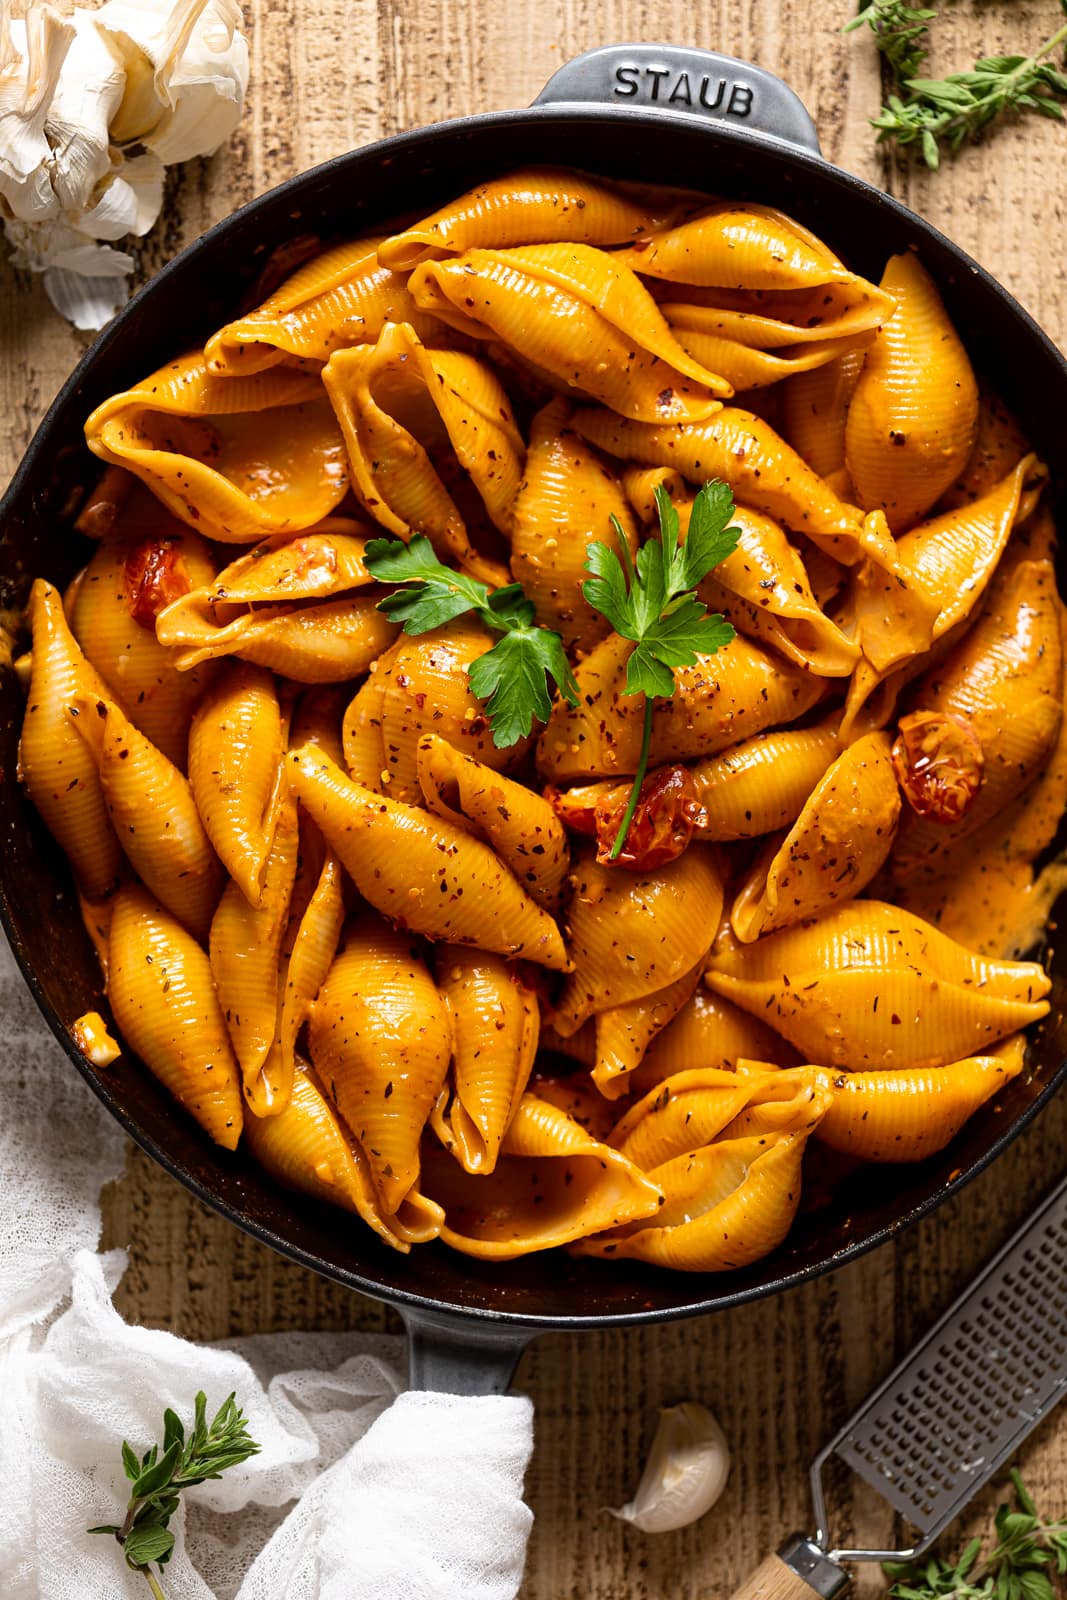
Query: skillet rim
{"type": "Point", "coordinates": [333, 170]}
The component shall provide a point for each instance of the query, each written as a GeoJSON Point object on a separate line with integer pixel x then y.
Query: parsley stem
{"type": "Point", "coordinates": [639, 778]}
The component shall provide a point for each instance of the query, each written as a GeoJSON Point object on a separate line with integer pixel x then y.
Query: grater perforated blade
{"type": "Point", "coordinates": [954, 1410]}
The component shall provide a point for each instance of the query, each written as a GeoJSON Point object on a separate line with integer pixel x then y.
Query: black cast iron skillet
{"type": "Point", "coordinates": [654, 113]}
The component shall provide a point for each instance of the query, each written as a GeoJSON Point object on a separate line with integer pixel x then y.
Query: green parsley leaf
{"type": "Point", "coordinates": [511, 678]}
{"type": "Point", "coordinates": [652, 601]}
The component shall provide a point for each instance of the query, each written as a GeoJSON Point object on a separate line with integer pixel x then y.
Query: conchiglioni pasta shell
{"type": "Point", "coordinates": [401, 407]}
{"type": "Point", "coordinates": [141, 672]}
{"type": "Point", "coordinates": [743, 367]}
{"type": "Point", "coordinates": [318, 718]}
{"type": "Point", "coordinates": [581, 316]}
{"type": "Point", "coordinates": [763, 588]}
{"type": "Point", "coordinates": [633, 933]}
{"type": "Point", "coordinates": [949, 561]}
{"type": "Point", "coordinates": [624, 1032]}
{"type": "Point", "coordinates": [1005, 679]}
{"type": "Point", "coordinates": [870, 983]}
{"type": "Point", "coordinates": [164, 1002]}
{"type": "Point", "coordinates": [833, 850]}
{"type": "Point", "coordinates": [565, 502]}
{"type": "Point", "coordinates": [235, 458]}
{"type": "Point", "coordinates": [536, 205]}
{"type": "Point", "coordinates": [576, 1095]}
{"type": "Point", "coordinates": [744, 451]}
{"type": "Point", "coordinates": [420, 686]}
{"type": "Point", "coordinates": [709, 1032]}
{"type": "Point", "coordinates": [235, 746]}
{"type": "Point", "coordinates": [684, 1113]}
{"type": "Point", "coordinates": [726, 1206]}
{"type": "Point", "coordinates": [911, 1114]}
{"type": "Point", "coordinates": [325, 643]}
{"type": "Point", "coordinates": [765, 319]}
{"type": "Point", "coordinates": [721, 699]}
{"type": "Point", "coordinates": [914, 414]}
{"type": "Point", "coordinates": [307, 1148]}
{"type": "Point", "coordinates": [793, 1100]}
{"type": "Point", "coordinates": [246, 942]}
{"type": "Point", "coordinates": [522, 828]}
{"type": "Point", "coordinates": [55, 764]}
{"type": "Point", "coordinates": [762, 785]}
{"type": "Point", "coordinates": [153, 812]}
{"type": "Point", "coordinates": [998, 444]}
{"type": "Point", "coordinates": [380, 1040]}
{"type": "Point", "coordinates": [313, 946]}
{"type": "Point", "coordinates": [815, 411]}
{"type": "Point", "coordinates": [552, 1184]}
{"type": "Point", "coordinates": [342, 297]}
{"type": "Point", "coordinates": [422, 871]}
{"type": "Point", "coordinates": [495, 1026]}
{"type": "Point", "coordinates": [738, 245]}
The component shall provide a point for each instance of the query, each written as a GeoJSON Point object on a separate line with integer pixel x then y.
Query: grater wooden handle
{"type": "Point", "coordinates": [798, 1572]}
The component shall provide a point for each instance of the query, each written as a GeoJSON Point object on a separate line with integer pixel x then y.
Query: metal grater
{"type": "Point", "coordinates": [960, 1404]}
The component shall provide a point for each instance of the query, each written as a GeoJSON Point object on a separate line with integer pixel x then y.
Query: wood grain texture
{"type": "Point", "coordinates": [330, 74]}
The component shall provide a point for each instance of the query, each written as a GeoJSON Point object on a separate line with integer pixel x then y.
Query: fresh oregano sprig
{"type": "Point", "coordinates": [653, 602]}
{"type": "Point", "coordinates": [158, 1476]}
{"type": "Point", "coordinates": [937, 114]}
{"type": "Point", "coordinates": [1027, 1551]}
{"type": "Point", "coordinates": [511, 677]}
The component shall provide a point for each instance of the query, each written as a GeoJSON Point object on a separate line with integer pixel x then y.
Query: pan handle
{"type": "Point", "coordinates": [453, 1355]}
{"type": "Point", "coordinates": [674, 80]}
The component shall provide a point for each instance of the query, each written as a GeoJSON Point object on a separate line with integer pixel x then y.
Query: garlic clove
{"type": "Point", "coordinates": [86, 98]}
{"type": "Point", "coordinates": [685, 1473]}
{"type": "Point", "coordinates": [32, 53]}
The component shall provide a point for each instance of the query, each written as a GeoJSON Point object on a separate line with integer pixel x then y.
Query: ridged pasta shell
{"type": "Point", "coordinates": [235, 458]}
{"type": "Point", "coordinates": [767, 319]}
{"type": "Point", "coordinates": [833, 850]}
{"type": "Point", "coordinates": [815, 411]}
{"type": "Point", "coordinates": [999, 443]}
{"type": "Point", "coordinates": [911, 1114]}
{"type": "Point", "coordinates": [55, 765]}
{"type": "Point", "coordinates": [726, 1205]}
{"type": "Point", "coordinates": [312, 942]}
{"type": "Point", "coordinates": [342, 297]}
{"type": "Point", "coordinates": [791, 1100]}
{"type": "Point", "coordinates": [763, 784]}
{"type": "Point", "coordinates": [1005, 678]}
{"type": "Point", "coordinates": [762, 587]}
{"type": "Point", "coordinates": [716, 702]}
{"type": "Point", "coordinates": [419, 687]}
{"type": "Point", "coordinates": [552, 1184]}
{"type": "Point", "coordinates": [566, 500]}
{"type": "Point", "coordinates": [246, 943]}
{"type": "Point", "coordinates": [697, 330]}
{"type": "Point", "coordinates": [739, 245]}
{"type": "Point", "coordinates": [235, 746]}
{"type": "Point", "coordinates": [633, 933]}
{"type": "Point", "coordinates": [403, 409]}
{"type": "Point", "coordinates": [536, 205]}
{"type": "Point", "coordinates": [684, 1113]}
{"type": "Point", "coordinates": [318, 718]}
{"type": "Point", "coordinates": [742, 450]}
{"type": "Point", "coordinates": [326, 643]}
{"type": "Point", "coordinates": [420, 870]}
{"type": "Point", "coordinates": [307, 1148]}
{"type": "Point", "coordinates": [914, 414]}
{"type": "Point", "coordinates": [381, 1040]}
{"type": "Point", "coordinates": [495, 1025]}
{"type": "Point", "coordinates": [576, 1095]}
{"type": "Point", "coordinates": [624, 1033]}
{"type": "Point", "coordinates": [869, 983]}
{"type": "Point", "coordinates": [116, 629]}
{"type": "Point", "coordinates": [153, 812]}
{"type": "Point", "coordinates": [708, 1032]}
{"type": "Point", "coordinates": [581, 316]}
{"type": "Point", "coordinates": [949, 561]}
{"type": "Point", "coordinates": [163, 999]}
{"type": "Point", "coordinates": [521, 827]}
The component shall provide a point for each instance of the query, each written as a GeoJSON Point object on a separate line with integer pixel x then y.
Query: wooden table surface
{"type": "Point", "coordinates": [331, 74]}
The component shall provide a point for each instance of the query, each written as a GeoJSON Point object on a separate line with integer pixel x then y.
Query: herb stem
{"type": "Point", "coordinates": [639, 778]}
{"type": "Point", "coordinates": [153, 1584]}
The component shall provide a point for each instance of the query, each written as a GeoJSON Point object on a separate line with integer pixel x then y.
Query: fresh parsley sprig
{"type": "Point", "coordinates": [1028, 1549]}
{"type": "Point", "coordinates": [158, 1477]}
{"type": "Point", "coordinates": [653, 603]}
{"type": "Point", "coordinates": [935, 114]}
{"type": "Point", "coordinates": [511, 678]}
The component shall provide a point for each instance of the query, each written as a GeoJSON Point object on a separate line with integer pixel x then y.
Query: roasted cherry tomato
{"type": "Point", "coordinates": [667, 813]}
{"type": "Point", "coordinates": [155, 575]}
{"type": "Point", "coordinates": [938, 761]}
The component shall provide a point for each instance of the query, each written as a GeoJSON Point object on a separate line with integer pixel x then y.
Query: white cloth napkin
{"type": "Point", "coordinates": [397, 1496]}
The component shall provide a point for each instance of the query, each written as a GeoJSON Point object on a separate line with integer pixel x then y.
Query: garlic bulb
{"type": "Point", "coordinates": [93, 107]}
{"type": "Point", "coordinates": [685, 1474]}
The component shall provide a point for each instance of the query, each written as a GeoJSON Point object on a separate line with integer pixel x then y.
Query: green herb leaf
{"type": "Point", "coordinates": [652, 602]}
{"type": "Point", "coordinates": [513, 677]}
{"type": "Point", "coordinates": [143, 1545]}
